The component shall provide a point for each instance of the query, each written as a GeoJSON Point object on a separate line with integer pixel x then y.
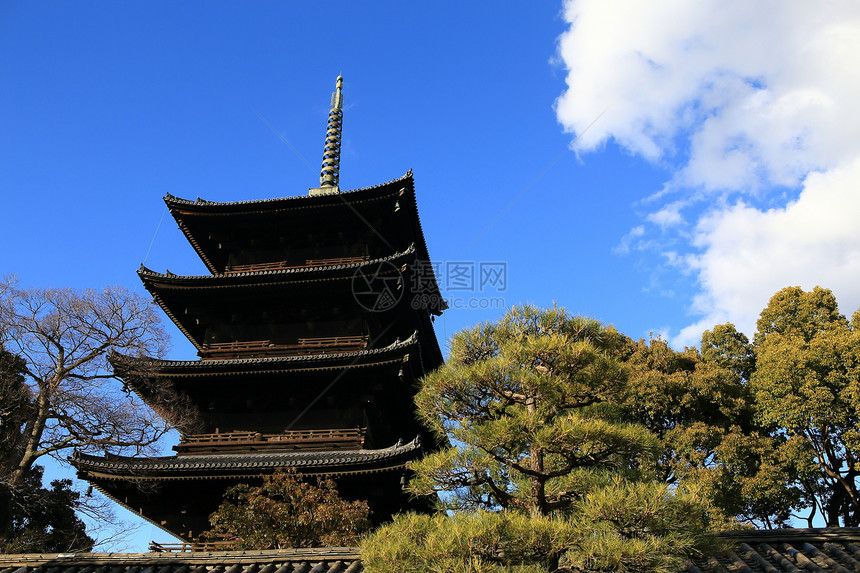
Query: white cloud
{"type": "Point", "coordinates": [748, 254]}
{"type": "Point", "coordinates": [740, 99]}
{"type": "Point", "coordinates": [629, 239]}
{"type": "Point", "coordinates": [668, 216]}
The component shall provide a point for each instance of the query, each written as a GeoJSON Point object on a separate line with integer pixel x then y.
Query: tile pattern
{"type": "Point", "coordinates": [322, 560]}
{"type": "Point", "coordinates": [776, 551]}
{"type": "Point", "coordinates": [786, 550]}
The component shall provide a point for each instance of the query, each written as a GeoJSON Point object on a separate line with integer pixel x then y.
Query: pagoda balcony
{"type": "Point", "coordinates": [284, 265]}
{"type": "Point", "coordinates": [289, 441]}
{"type": "Point", "coordinates": [259, 348]}
{"type": "Point", "coordinates": [196, 546]}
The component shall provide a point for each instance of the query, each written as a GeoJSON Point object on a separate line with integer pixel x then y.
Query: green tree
{"type": "Point", "coordinates": [766, 430]}
{"type": "Point", "coordinates": [528, 404]}
{"type": "Point", "coordinates": [725, 347]}
{"type": "Point", "coordinates": [287, 511]}
{"type": "Point", "coordinates": [43, 520]}
{"type": "Point", "coordinates": [700, 406]}
{"type": "Point", "coordinates": [474, 542]}
{"type": "Point", "coordinates": [15, 410]}
{"type": "Point", "coordinates": [806, 387]}
{"type": "Point", "coordinates": [15, 405]}
{"type": "Point", "coordinates": [520, 399]}
{"type": "Point", "coordinates": [620, 526]}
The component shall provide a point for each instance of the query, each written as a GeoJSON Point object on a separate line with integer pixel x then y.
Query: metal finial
{"type": "Point", "coordinates": [331, 153]}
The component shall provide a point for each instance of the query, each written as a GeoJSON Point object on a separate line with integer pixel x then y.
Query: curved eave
{"type": "Point", "coordinates": [333, 463]}
{"type": "Point", "coordinates": [129, 366]}
{"type": "Point", "coordinates": [401, 187]}
{"type": "Point", "coordinates": [105, 492]}
{"type": "Point", "coordinates": [160, 284]}
{"type": "Point", "coordinates": [154, 280]}
{"type": "Point", "coordinates": [179, 208]}
{"type": "Point", "coordinates": [203, 207]}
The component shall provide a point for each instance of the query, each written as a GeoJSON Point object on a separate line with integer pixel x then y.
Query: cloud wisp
{"type": "Point", "coordinates": [752, 107]}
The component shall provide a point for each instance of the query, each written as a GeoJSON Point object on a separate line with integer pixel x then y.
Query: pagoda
{"type": "Point", "coordinates": [311, 331]}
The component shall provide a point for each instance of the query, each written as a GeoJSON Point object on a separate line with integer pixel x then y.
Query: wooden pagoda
{"type": "Point", "coordinates": [311, 335]}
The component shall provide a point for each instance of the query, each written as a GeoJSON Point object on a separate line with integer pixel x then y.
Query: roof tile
{"type": "Point", "coordinates": [193, 464]}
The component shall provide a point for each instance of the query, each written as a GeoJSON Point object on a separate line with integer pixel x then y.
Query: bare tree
{"type": "Point", "coordinates": [64, 337]}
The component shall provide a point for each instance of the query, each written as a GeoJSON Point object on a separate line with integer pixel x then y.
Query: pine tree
{"type": "Point", "coordinates": [540, 459]}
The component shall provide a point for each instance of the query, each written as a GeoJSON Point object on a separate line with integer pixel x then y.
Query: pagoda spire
{"type": "Point", "coordinates": [331, 153]}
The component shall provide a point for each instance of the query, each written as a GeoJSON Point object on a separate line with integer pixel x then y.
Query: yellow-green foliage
{"type": "Point", "coordinates": [620, 527]}
{"type": "Point", "coordinates": [640, 527]}
{"type": "Point", "coordinates": [477, 542]}
{"type": "Point", "coordinates": [530, 404]}
{"type": "Point", "coordinates": [524, 402]}
{"type": "Point", "coordinates": [768, 429]}
{"type": "Point", "coordinates": [806, 387]}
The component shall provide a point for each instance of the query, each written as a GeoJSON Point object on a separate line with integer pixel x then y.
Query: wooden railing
{"type": "Point", "coordinates": [156, 547]}
{"type": "Point", "coordinates": [273, 266]}
{"type": "Point", "coordinates": [358, 342]}
{"type": "Point", "coordinates": [243, 346]}
{"type": "Point", "coordinates": [310, 345]}
{"type": "Point", "coordinates": [225, 442]}
{"type": "Point", "coordinates": [336, 261]}
{"type": "Point", "coordinates": [284, 265]}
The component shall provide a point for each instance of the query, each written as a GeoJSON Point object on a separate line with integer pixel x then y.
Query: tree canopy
{"type": "Point", "coordinates": [568, 432]}
{"type": "Point", "coordinates": [806, 387]}
{"type": "Point", "coordinates": [700, 406]}
{"type": "Point", "coordinates": [519, 399]}
{"type": "Point", "coordinates": [58, 390]}
{"type": "Point", "coordinates": [619, 526]}
{"type": "Point", "coordinates": [529, 404]}
{"type": "Point", "coordinates": [287, 511]}
{"type": "Point", "coordinates": [63, 338]}
{"type": "Point", "coordinates": [768, 428]}
{"type": "Point", "coordinates": [42, 520]}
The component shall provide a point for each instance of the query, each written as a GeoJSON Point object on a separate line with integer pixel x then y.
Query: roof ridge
{"type": "Point", "coordinates": [791, 532]}
{"type": "Point", "coordinates": [396, 345]}
{"type": "Point", "coordinates": [145, 271]}
{"type": "Point", "coordinates": [169, 198]}
{"type": "Point", "coordinates": [339, 552]}
{"type": "Point", "coordinates": [342, 455]}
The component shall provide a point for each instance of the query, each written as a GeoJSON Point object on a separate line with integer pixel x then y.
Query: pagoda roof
{"type": "Point", "coordinates": [330, 463]}
{"type": "Point", "coordinates": [197, 217]}
{"type": "Point", "coordinates": [174, 292]}
{"type": "Point", "coordinates": [155, 367]}
{"type": "Point", "coordinates": [153, 279]}
{"type": "Point", "coordinates": [373, 192]}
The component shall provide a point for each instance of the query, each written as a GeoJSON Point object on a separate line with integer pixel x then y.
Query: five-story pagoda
{"type": "Point", "coordinates": [311, 334]}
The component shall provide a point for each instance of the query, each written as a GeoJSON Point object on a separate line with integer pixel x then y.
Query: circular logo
{"type": "Point", "coordinates": [377, 287]}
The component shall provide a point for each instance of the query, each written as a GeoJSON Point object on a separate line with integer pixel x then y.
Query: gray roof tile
{"type": "Point", "coordinates": [775, 551]}
{"type": "Point", "coordinates": [330, 461]}
{"type": "Point", "coordinates": [786, 550]}
{"type": "Point", "coordinates": [124, 363]}
{"type": "Point", "coordinates": [328, 559]}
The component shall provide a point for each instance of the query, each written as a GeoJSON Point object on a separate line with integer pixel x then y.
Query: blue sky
{"type": "Point", "coordinates": [660, 166]}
